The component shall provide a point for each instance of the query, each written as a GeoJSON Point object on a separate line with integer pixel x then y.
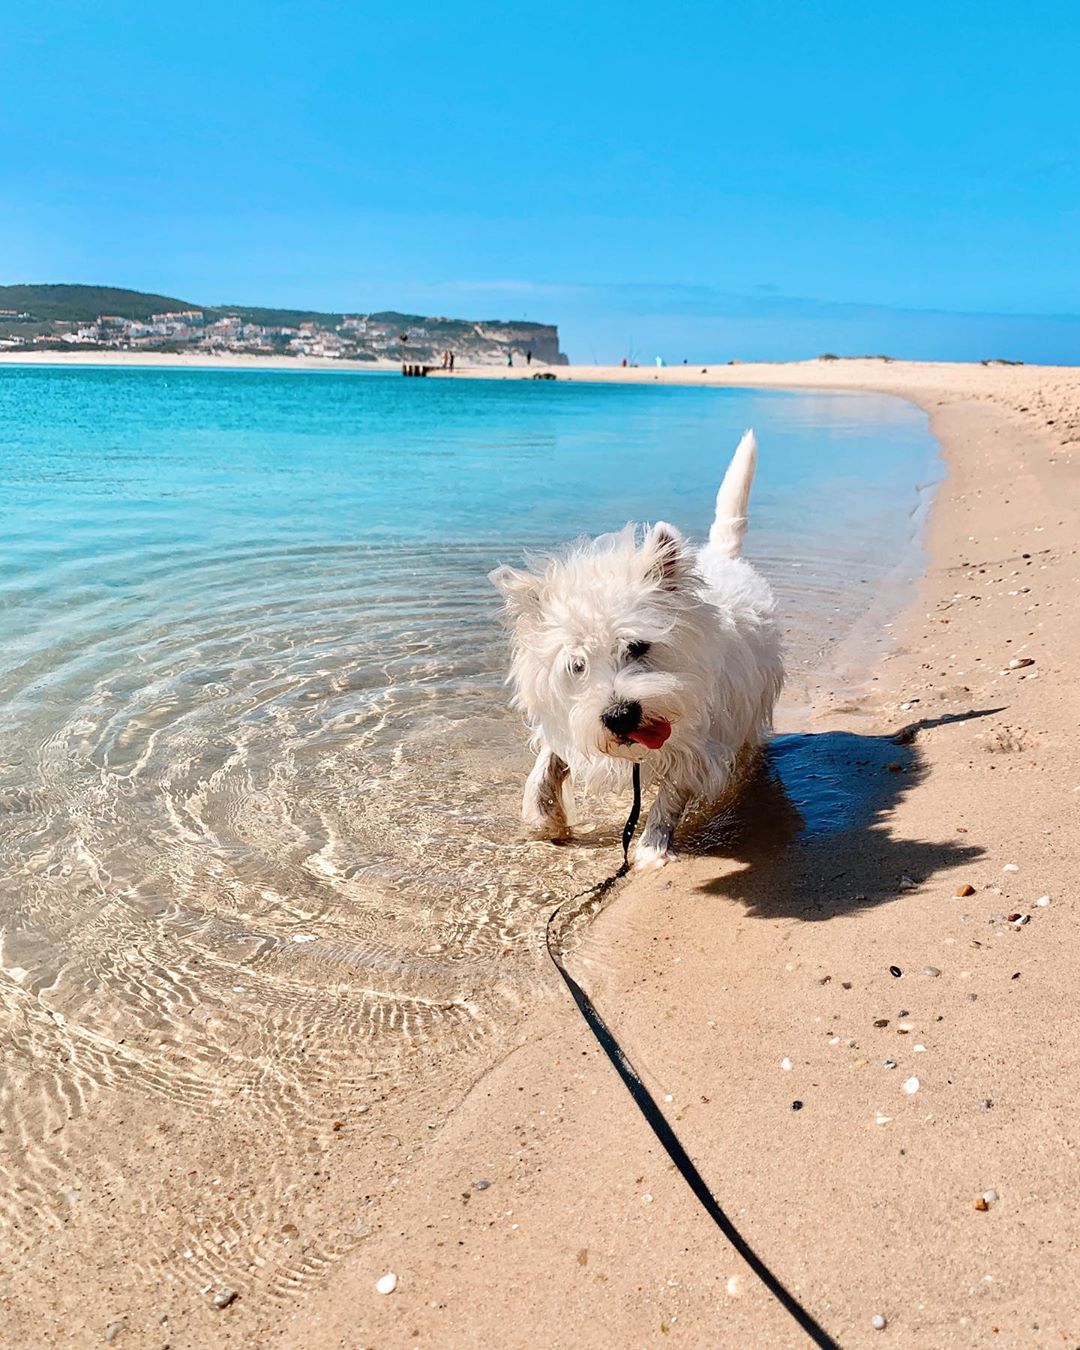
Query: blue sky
{"type": "Point", "coordinates": [743, 180]}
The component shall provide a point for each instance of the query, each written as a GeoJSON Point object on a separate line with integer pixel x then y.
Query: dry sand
{"type": "Point", "coordinates": [716, 970]}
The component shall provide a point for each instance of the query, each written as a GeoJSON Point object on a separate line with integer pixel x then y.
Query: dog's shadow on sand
{"type": "Point", "coordinates": [811, 829]}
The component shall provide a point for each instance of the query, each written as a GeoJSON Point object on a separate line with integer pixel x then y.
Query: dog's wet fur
{"type": "Point", "coordinates": [639, 646]}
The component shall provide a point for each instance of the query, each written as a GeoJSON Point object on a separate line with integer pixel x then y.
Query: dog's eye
{"type": "Point", "coordinates": [637, 649]}
{"type": "Point", "coordinates": [577, 665]}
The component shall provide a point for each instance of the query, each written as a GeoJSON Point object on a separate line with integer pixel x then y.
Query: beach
{"type": "Point", "coordinates": [534, 1206]}
{"type": "Point", "coordinates": [869, 1200]}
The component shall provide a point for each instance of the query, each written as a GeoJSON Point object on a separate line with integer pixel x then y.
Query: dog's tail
{"type": "Point", "coordinates": [726, 534]}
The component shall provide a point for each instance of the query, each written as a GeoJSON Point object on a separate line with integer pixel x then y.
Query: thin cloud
{"type": "Point", "coordinates": [677, 300]}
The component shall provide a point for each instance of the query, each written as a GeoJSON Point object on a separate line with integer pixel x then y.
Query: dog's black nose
{"type": "Point", "coordinates": [622, 718]}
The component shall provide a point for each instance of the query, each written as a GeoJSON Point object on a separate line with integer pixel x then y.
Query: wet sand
{"type": "Point", "coordinates": [711, 973]}
{"type": "Point", "coordinates": [719, 969]}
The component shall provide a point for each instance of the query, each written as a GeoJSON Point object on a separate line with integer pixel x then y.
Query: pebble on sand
{"type": "Point", "coordinates": [1043, 901]}
{"type": "Point", "coordinates": [481, 1185]}
{"type": "Point", "coordinates": [1019, 662]}
{"type": "Point", "coordinates": [113, 1330]}
{"type": "Point", "coordinates": [386, 1284]}
{"type": "Point", "coordinates": [224, 1297]}
{"type": "Point", "coordinates": [878, 1322]}
{"type": "Point", "coordinates": [1010, 867]}
{"type": "Point", "coordinates": [786, 1064]}
{"type": "Point", "coordinates": [932, 972]}
{"type": "Point", "coordinates": [962, 891]}
{"type": "Point", "coordinates": [981, 1205]}
{"type": "Point", "coordinates": [911, 1086]}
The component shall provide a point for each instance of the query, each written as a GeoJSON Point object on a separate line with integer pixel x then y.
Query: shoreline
{"type": "Point", "coordinates": [1023, 393]}
{"type": "Point", "coordinates": [717, 968]}
{"type": "Point", "coordinates": [713, 971]}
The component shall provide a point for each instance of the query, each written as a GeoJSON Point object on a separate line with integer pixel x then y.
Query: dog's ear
{"type": "Point", "coordinates": [666, 556]}
{"type": "Point", "coordinates": [521, 590]}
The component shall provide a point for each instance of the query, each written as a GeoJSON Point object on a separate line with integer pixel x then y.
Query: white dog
{"type": "Point", "coordinates": [628, 648]}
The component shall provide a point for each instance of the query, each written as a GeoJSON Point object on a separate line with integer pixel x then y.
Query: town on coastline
{"type": "Point", "coordinates": [63, 318]}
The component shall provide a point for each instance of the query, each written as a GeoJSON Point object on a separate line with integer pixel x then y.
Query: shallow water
{"type": "Point", "coordinates": [258, 781]}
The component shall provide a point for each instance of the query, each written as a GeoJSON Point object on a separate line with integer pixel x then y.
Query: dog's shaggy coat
{"type": "Point", "coordinates": [636, 646]}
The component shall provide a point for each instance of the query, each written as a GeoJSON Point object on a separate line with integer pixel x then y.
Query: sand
{"type": "Point", "coordinates": [718, 969]}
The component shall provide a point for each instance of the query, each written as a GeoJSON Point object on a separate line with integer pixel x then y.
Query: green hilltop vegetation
{"type": "Point", "coordinates": [63, 318]}
{"type": "Point", "coordinates": [83, 304]}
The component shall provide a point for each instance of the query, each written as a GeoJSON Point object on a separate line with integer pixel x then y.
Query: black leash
{"type": "Point", "coordinates": [631, 823]}
{"type": "Point", "coordinates": [652, 1113]}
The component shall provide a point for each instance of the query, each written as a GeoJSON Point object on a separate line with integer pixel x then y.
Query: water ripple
{"type": "Point", "coordinates": [260, 861]}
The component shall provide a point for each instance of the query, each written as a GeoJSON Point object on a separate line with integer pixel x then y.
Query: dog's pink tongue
{"type": "Point", "coordinates": [652, 735]}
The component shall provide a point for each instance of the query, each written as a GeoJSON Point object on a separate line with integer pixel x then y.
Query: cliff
{"type": "Point", "coordinates": [110, 318]}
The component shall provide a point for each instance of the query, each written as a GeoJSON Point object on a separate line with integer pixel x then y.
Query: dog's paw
{"type": "Point", "coordinates": [546, 826]}
{"type": "Point", "coordinates": [651, 857]}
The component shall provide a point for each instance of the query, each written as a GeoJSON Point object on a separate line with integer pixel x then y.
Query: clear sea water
{"type": "Point", "coordinates": [258, 780]}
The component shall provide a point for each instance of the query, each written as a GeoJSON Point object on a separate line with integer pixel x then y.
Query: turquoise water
{"type": "Point", "coordinates": [256, 758]}
{"type": "Point", "coordinates": [135, 500]}
{"type": "Point", "coordinates": [244, 617]}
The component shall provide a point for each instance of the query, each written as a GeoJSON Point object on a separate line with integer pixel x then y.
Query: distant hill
{"type": "Point", "coordinates": [82, 304]}
{"type": "Point", "coordinates": [52, 315]}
